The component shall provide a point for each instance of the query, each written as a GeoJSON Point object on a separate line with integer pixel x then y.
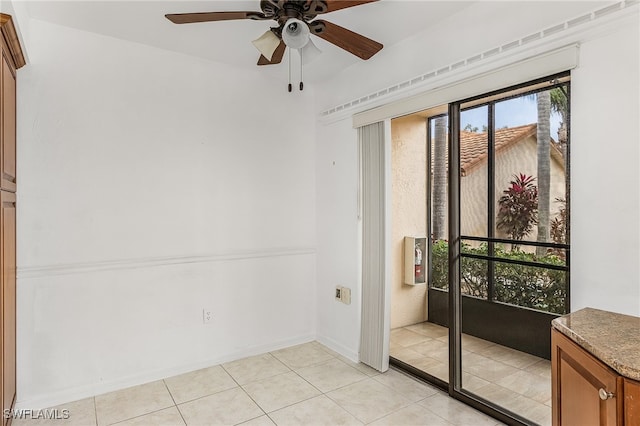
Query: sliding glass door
{"type": "Point", "coordinates": [508, 253]}
{"type": "Point", "coordinates": [497, 245]}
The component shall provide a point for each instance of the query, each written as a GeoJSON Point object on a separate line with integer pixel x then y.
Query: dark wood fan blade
{"type": "Point", "coordinates": [189, 18]}
{"type": "Point", "coordinates": [343, 4]}
{"type": "Point", "coordinates": [354, 43]}
{"type": "Point", "coordinates": [276, 58]}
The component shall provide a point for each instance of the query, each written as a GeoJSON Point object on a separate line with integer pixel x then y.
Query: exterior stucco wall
{"type": "Point", "coordinates": [518, 158]}
{"type": "Point", "coordinates": [409, 213]}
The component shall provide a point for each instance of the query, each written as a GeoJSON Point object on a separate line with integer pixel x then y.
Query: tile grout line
{"type": "Point", "coordinates": [362, 380]}
{"type": "Point", "coordinates": [154, 411]}
{"type": "Point", "coordinates": [139, 416]}
{"type": "Point", "coordinates": [264, 413]}
{"type": "Point", "coordinates": [429, 409]}
{"type": "Point", "coordinates": [322, 393]}
{"type": "Point", "coordinates": [422, 406]}
{"type": "Point", "coordinates": [411, 402]}
{"type": "Point", "coordinates": [174, 402]}
{"type": "Point", "coordinates": [95, 409]}
{"type": "Point", "coordinates": [238, 385]}
{"type": "Point", "coordinates": [296, 373]}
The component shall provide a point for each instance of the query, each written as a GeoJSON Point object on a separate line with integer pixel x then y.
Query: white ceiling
{"type": "Point", "coordinates": [386, 21]}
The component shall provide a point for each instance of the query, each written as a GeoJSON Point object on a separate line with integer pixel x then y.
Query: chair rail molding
{"type": "Point", "coordinates": [31, 272]}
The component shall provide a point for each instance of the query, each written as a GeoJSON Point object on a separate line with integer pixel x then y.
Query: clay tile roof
{"type": "Point", "coordinates": [473, 146]}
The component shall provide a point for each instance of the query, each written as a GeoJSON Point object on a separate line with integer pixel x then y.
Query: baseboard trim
{"type": "Point", "coordinates": [57, 398]}
{"type": "Point", "coordinates": [339, 348]}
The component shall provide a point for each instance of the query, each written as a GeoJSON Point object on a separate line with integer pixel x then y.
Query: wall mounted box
{"type": "Point", "coordinates": [415, 251]}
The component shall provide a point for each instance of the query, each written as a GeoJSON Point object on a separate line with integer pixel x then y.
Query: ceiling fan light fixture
{"type": "Point", "coordinates": [310, 53]}
{"type": "Point", "coordinates": [293, 29]}
{"type": "Point", "coordinates": [267, 44]}
{"type": "Point", "coordinates": [295, 33]}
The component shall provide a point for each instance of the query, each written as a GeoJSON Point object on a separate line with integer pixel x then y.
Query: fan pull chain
{"type": "Point", "coordinates": [290, 86]}
{"type": "Point", "coordinates": [301, 61]}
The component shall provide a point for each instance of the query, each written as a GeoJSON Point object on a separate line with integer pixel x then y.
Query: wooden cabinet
{"type": "Point", "coordinates": [587, 392]}
{"type": "Point", "coordinates": [12, 59]}
{"type": "Point", "coordinates": [8, 264]}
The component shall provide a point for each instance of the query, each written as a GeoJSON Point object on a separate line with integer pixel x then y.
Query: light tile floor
{"type": "Point", "coordinates": [515, 380]}
{"type": "Point", "coordinates": [302, 385]}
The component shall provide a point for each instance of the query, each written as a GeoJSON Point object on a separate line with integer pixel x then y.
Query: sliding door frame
{"type": "Point", "coordinates": [455, 388]}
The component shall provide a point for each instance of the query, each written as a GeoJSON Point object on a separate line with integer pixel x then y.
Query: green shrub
{"type": "Point", "coordinates": [522, 285]}
{"type": "Point", "coordinates": [440, 265]}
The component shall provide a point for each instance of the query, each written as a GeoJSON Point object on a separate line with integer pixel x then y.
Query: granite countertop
{"type": "Point", "coordinates": [612, 338]}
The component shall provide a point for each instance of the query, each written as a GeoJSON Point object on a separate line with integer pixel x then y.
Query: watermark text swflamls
{"type": "Point", "coordinates": [28, 414]}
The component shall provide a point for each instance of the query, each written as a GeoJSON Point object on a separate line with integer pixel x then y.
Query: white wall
{"type": "Point", "coordinates": [605, 159]}
{"type": "Point", "coordinates": [338, 259]}
{"type": "Point", "coordinates": [605, 205]}
{"type": "Point", "coordinates": [152, 185]}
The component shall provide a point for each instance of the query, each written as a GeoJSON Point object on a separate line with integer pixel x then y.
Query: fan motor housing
{"type": "Point", "coordinates": [282, 10]}
{"type": "Point", "coordinates": [269, 8]}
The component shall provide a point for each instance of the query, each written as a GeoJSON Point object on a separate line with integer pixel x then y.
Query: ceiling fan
{"type": "Point", "coordinates": [296, 21]}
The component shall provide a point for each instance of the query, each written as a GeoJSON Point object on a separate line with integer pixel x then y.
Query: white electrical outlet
{"type": "Point", "coordinates": [343, 294]}
{"type": "Point", "coordinates": [207, 315]}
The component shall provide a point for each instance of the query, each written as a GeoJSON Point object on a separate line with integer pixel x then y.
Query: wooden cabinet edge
{"type": "Point", "coordinates": [631, 402]}
{"type": "Point", "coordinates": [11, 37]}
{"type": "Point", "coordinates": [7, 201]}
{"type": "Point", "coordinates": [555, 385]}
{"type": "Point", "coordinates": [13, 55]}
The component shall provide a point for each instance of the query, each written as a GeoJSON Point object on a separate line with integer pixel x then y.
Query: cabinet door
{"type": "Point", "coordinates": [8, 162]}
{"type": "Point", "coordinates": [631, 402]}
{"type": "Point", "coordinates": [8, 267]}
{"type": "Point", "coordinates": [577, 380]}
